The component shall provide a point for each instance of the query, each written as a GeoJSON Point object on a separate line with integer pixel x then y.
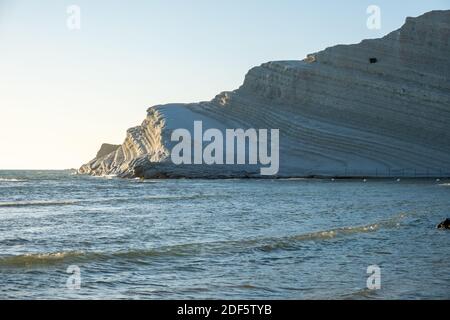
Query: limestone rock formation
{"type": "Point", "coordinates": [106, 149]}
{"type": "Point", "coordinates": [377, 108]}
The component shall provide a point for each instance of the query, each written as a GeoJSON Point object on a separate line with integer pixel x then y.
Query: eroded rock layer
{"type": "Point", "coordinates": [377, 108]}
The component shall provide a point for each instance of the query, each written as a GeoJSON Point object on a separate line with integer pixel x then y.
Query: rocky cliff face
{"type": "Point", "coordinates": [377, 108]}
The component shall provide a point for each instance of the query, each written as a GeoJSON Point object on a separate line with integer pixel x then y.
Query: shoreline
{"type": "Point", "coordinates": [163, 176]}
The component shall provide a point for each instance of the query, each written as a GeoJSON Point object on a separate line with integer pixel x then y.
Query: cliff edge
{"type": "Point", "coordinates": [377, 108]}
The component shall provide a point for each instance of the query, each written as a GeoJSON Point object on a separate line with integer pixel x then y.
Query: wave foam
{"type": "Point", "coordinates": [11, 180]}
{"type": "Point", "coordinates": [37, 259]}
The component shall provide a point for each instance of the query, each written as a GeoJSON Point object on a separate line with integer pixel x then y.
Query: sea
{"type": "Point", "coordinates": [66, 236]}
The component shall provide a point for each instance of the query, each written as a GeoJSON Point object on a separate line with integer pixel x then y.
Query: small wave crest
{"type": "Point", "coordinates": [180, 197]}
{"type": "Point", "coordinates": [13, 241]}
{"type": "Point", "coordinates": [12, 180]}
{"type": "Point", "coordinates": [34, 259]}
{"type": "Point", "coordinates": [292, 179]}
{"type": "Point", "coordinates": [36, 203]}
{"type": "Point", "coordinates": [280, 243]}
{"type": "Point", "coordinates": [163, 197]}
{"type": "Point", "coordinates": [363, 294]}
{"type": "Point", "coordinates": [105, 177]}
{"type": "Point", "coordinates": [48, 203]}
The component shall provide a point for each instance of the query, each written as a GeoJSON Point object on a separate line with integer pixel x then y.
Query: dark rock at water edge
{"type": "Point", "coordinates": [444, 225]}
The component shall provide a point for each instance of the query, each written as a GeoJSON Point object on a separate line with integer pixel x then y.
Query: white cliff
{"type": "Point", "coordinates": [377, 108]}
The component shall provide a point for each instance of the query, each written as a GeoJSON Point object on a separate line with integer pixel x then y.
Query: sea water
{"type": "Point", "coordinates": [221, 239]}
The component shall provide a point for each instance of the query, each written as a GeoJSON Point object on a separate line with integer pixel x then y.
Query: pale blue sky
{"type": "Point", "coordinates": [63, 93]}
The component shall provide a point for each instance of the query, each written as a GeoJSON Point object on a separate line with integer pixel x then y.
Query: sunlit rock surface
{"type": "Point", "coordinates": [377, 108]}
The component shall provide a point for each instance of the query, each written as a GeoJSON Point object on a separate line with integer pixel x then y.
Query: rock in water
{"type": "Point", "coordinates": [444, 225]}
{"type": "Point", "coordinates": [377, 108]}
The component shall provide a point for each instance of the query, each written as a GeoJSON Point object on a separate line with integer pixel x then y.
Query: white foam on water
{"type": "Point", "coordinates": [11, 180]}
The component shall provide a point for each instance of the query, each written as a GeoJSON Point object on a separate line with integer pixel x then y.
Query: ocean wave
{"type": "Point", "coordinates": [192, 249]}
{"type": "Point", "coordinates": [363, 294]}
{"type": "Point", "coordinates": [45, 203]}
{"type": "Point", "coordinates": [445, 184]}
{"type": "Point", "coordinates": [181, 197]}
{"type": "Point", "coordinates": [270, 244]}
{"type": "Point", "coordinates": [12, 180]}
{"type": "Point", "coordinates": [65, 257]}
{"type": "Point", "coordinates": [34, 259]}
{"type": "Point", "coordinates": [105, 176]}
{"type": "Point", "coordinates": [151, 197]}
{"type": "Point", "coordinates": [14, 241]}
{"type": "Point", "coordinates": [293, 179]}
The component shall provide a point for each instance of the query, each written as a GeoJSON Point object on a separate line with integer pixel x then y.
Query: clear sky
{"type": "Point", "coordinates": [64, 92]}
